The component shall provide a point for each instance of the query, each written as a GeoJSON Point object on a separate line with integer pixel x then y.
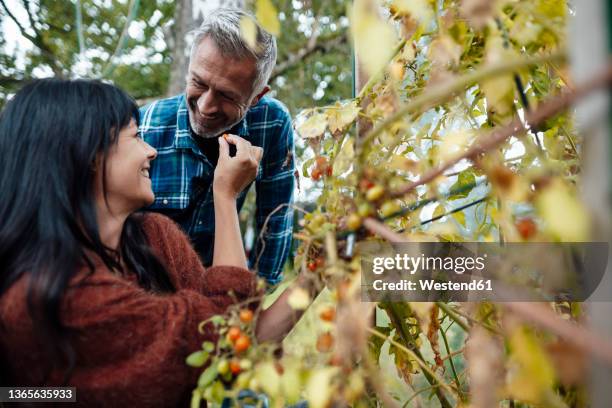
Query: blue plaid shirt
{"type": "Point", "coordinates": [182, 178]}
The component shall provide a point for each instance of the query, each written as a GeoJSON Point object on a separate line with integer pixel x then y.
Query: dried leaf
{"type": "Point", "coordinates": [314, 126]}
{"type": "Point", "coordinates": [339, 116]}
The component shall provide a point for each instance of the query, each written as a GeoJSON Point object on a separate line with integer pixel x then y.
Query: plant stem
{"type": "Point", "coordinates": [452, 364]}
{"type": "Point", "coordinates": [429, 374]}
{"type": "Point", "coordinates": [453, 315]}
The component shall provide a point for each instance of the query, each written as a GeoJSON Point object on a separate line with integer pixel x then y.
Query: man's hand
{"type": "Point", "coordinates": [233, 174]}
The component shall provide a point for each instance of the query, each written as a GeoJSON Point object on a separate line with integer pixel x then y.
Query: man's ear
{"type": "Point", "coordinates": [260, 95]}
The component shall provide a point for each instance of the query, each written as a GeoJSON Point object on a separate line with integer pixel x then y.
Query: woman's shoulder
{"type": "Point", "coordinates": [153, 222]}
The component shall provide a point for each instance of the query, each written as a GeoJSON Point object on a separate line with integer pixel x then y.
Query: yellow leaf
{"type": "Point", "coordinates": [418, 9]}
{"type": "Point", "coordinates": [563, 214]}
{"type": "Point", "coordinates": [460, 217]}
{"type": "Point", "coordinates": [319, 388]}
{"type": "Point", "coordinates": [267, 16]}
{"type": "Point", "coordinates": [455, 143]}
{"type": "Point", "coordinates": [535, 374]}
{"type": "Point", "coordinates": [445, 51]}
{"type": "Point", "coordinates": [402, 163]}
{"type": "Point", "coordinates": [374, 38]}
{"type": "Point", "coordinates": [298, 299]}
{"type": "Point", "coordinates": [345, 158]}
{"type": "Point", "coordinates": [340, 115]}
{"type": "Point", "coordinates": [499, 91]}
{"type": "Point", "coordinates": [248, 30]}
{"type": "Point", "coordinates": [440, 210]}
{"type": "Point", "coordinates": [314, 126]}
{"type": "Point", "coordinates": [268, 378]}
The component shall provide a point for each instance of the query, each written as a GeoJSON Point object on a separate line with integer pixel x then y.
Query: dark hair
{"type": "Point", "coordinates": [51, 132]}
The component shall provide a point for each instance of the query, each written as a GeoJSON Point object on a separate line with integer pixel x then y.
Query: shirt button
{"type": "Point", "coordinates": [165, 201]}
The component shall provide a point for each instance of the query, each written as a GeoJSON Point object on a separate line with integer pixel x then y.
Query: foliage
{"type": "Point", "coordinates": [417, 142]}
{"type": "Point", "coordinates": [141, 62]}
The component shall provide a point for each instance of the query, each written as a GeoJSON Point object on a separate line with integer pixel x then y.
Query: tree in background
{"type": "Point", "coordinates": [140, 46]}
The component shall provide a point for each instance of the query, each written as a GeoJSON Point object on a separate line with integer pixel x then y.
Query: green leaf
{"type": "Point", "coordinates": [208, 346]}
{"type": "Point", "coordinates": [208, 376]}
{"type": "Point", "coordinates": [460, 217]}
{"type": "Point", "coordinates": [306, 165]}
{"type": "Point", "coordinates": [464, 179]}
{"type": "Point", "coordinates": [196, 398]}
{"type": "Point", "coordinates": [197, 359]}
{"type": "Point", "coordinates": [217, 320]}
{"type": "Point", "coordinates": [439, 211]}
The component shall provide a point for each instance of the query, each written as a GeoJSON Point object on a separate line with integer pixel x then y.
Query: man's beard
{"type": "Point", "coordinates": [207, 134]}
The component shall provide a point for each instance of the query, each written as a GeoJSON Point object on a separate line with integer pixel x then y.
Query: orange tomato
{"type": "Point", "coordinates": [328, 314]}
{"type": "Point", "coordinates": [526, 227]}
{"type": "Point", "coordinates": [234, 367]}
{"type": "Point", "coordinates": [246, 316]}
{"type": "Point", "coordinates": [325, 342]}
{"type": "Point", "coordinates": [233, 333]}
{"type": "Point", "coordinates": [242, 343]}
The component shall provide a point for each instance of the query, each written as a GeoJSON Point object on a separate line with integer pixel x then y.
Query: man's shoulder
{"type": "Point", "coordinates": [161, 112]}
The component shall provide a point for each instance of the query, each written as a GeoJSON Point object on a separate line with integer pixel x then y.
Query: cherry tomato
{"type": "Point", "coordinates": [246, 316]}
{"type": "Point", "coordinates": [242, 343]}
{"type": "Point", "coordinates": [527, 228]}
{"type": "Point", "coordinates": [233, 333]}
{"type": "Point", "coordinates": [234, 367]}
{"type": "Point", "coordinates": [328, 314]}
{"type": "Point", "coordinates": [325, 342]}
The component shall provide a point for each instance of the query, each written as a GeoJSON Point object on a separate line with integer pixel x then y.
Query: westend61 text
{"type": "Point", "coordinates": [430, 284]}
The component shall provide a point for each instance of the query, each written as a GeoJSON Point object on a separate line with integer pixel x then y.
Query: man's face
{"type": "Point", "coordinates": [218, 90]}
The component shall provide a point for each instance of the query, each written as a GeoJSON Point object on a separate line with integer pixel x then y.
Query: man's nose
{"type": "Point", "coordinates": [208, 103]}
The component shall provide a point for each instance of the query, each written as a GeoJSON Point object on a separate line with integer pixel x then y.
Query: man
{"type": "Point", "coordinates": [226, 84]}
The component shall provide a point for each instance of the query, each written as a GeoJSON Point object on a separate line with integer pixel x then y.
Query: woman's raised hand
{"type": "Point", "coordinates": [233, 174]}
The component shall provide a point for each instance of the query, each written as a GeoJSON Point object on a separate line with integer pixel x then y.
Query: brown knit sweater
{"type": "Point", "coordinates": [130, 344]}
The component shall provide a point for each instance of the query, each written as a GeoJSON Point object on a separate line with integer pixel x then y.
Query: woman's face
{"type": "Point", "coordinates": [128, 185]}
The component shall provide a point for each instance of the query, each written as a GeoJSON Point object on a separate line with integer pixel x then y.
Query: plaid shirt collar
{"type": "Point", "coordinates": [183, 138]}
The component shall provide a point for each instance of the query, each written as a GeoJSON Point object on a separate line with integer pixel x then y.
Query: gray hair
{"type": "Point", "coordinates": [223, 27]}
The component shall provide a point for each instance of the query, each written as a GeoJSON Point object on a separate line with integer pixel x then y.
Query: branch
{"type": "Point", "coordinates": [445, 90]}
{"type": "Point", "coordinates": [383, 231]}
{"type": "Point", "coordinates": [551, 107]}
{"type": "Point", "coordinates": [26, 5]}
{"type": "Point", "coordinates": [314, 44]}
{"type": "Point", "coordinates": [132, 9]}
{"type": "Point", "coordinates": [21, 29]}
{"type": "Point", "coordinates": [581, 337]}
{"type": "Point", "coordinates": [36, 40]}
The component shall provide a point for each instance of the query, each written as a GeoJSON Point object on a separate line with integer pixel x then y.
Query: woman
{"type": "Point", "coordinates": [93, 294]}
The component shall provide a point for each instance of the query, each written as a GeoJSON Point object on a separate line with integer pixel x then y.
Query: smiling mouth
{"type": "Point", "coordinates": [145, 172]}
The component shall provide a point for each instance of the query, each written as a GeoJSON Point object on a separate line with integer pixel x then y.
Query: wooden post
{"type": "Point", "coordinates": [589, 54]}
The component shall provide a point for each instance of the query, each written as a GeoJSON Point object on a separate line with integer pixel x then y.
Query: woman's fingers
{"type": "Point", "coordinates": [223, 148]}
{"type": "Point", "coordinates": [244, 149]}
{"type": "Point", "coordinates": [257, 153]}
{"type": "Point", "coordinates": [242, 145]}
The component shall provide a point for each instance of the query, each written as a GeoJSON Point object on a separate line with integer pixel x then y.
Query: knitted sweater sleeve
{"type": "Point", "coordinates": [157, 331]}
